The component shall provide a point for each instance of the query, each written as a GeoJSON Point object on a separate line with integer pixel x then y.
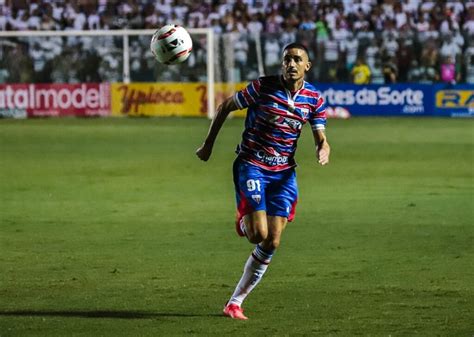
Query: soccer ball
{"type": "Point", "coordinates": [171, 44]}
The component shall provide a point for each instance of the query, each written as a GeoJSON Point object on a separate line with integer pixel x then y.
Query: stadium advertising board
{"type": "Point", "coordinates": [47, 100]}
{"type": "Point", "coordinates": [344, 100]}
{"type": "Point", "coordinates": [401, 99]}
{"type": "Point", "coordinates": [165, 99]}
{"type": "Point", "coordinates": [381, 100]}
{"type": "Point", "coordinates": [190, 99]}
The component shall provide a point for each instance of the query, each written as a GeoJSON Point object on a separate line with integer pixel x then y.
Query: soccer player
{"type": "Point", "coordinates": [264, 170]}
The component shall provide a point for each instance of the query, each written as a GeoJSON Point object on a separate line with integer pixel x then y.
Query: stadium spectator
{"type": "Point", "coordinates": [216, 26]}
{"type": "Point", "coordinates": [469, 51]}
{"type": "Point", "coordinates": [241, 50]}
{"type": "Point", "coordinates": [449, 72]}
{"type": "Point", "coordinates": [377, 18]}
{"type": "Point", "coordinates": [390, 46]}
{"type": "Point", "coordinates": [34, 22]}
{"type": "Point", "coordinates": [373, 52]}
{"type": "Point", "coordinates": [3, 18]}
{"type": "Point", "coordinates": [331, 54]}
{"type": "Point", "coordinates": [321, 29]}
{"type": "Point", "coordinates": [255, 25]}
{"type": "Point", "coordinates": [364, 35]}
{"type": "Point", "coordinates": [360, 73]}
{"type": "Point", "coordinates": [469, 24]}
{"type": "Point", "coordinates": [350, 48]}
{"type": "Point", "coordinates": [455, 7]}
{"type": "Point", "coordinates": [405, 56]}
{"type": "Point", "coordinates": [340, 34]}
{"type": "Point", "coordinates": [307, 23]}
{"type": "Point", "coordinates": [163, 7]}
{"type": "Point", "coordinates": [414, 74]}
{"type": "Point", "coordinates": [152, 17]}
{"type": "Point", "coordinates": [271, 50]}
{"type": "Point", "coordinates": [273, 23]}
{"type": "Point", "coordinates": [376, 71]}
{"type": "Point", "coordinates": [390, 31]}
{"type": "Point", "coordinates": [450, 47]}
{"type": "Point", "coordinates": [469, 69]}
{"type": "Point", "coordinates": [448, 25]}
{"type": "Point", "coordinates": [422, 26]}
{"type": "Point", "coordinates": [390, 70]}
{"type": "Point", "coordinates": [288, 35]}
{"type": "Point", "coordinates": [401, 17]}
{"type": "Point", "coordinates": [428, 73]}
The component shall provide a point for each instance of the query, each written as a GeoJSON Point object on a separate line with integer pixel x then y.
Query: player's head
{"type": "Point", "coordinates": [295, 61]}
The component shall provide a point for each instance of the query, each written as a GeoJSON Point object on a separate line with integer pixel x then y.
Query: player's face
{"type": "Point", "coordinates": [295, 64]}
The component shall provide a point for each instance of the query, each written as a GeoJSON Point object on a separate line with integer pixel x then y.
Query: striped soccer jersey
{"type": "Point", "coordinates": [275, 117]}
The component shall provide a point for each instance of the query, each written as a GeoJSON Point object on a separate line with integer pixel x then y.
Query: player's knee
{"type": "Point", "coordinates": [270, 243]}
{"type": "Point", "coordinates": [257, 235]}
{"type": "Point", "coordinates": [274, 243]}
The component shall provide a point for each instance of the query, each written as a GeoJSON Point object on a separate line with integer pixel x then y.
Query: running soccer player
{"type": "Point", "coordinates": [264, 170]}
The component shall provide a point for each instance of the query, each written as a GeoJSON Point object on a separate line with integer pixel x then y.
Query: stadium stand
{"type": "Point", "coordinates": [401, 41]}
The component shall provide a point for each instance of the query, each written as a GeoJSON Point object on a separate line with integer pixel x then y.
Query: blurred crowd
{"type": "Point", "coordinates": [359, 41]}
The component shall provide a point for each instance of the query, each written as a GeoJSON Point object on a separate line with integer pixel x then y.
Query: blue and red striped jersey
{"type": "Point", "coordinates": [275, 117]}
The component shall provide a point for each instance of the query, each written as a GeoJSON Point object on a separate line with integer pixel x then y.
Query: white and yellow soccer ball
{"type": "Point", "coordinates": [171, 44]}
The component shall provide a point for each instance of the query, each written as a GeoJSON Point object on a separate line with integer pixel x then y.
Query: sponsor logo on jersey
{"type": "Point", "coordinates": [272, 160]}
{"type": "Point", "coordinates": [288, 121]}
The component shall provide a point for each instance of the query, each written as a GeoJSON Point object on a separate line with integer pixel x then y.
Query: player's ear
{"type": "Point", "coordinates": [308, 66]}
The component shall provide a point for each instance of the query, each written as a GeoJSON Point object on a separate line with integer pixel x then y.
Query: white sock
{"type": "Point", "coordinates": [254, 269]}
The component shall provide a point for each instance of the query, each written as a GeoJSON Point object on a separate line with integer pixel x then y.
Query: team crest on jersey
{"type": "Point", "coordinates": [305, 112]}
{"type": "Point", "coordinates": [257, 198]}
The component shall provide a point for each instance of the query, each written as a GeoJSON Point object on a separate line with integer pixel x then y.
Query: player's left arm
{"type": "Point", "coordinates": [318, 126]}
{"type": "Point", "coordinates": [323, 150]}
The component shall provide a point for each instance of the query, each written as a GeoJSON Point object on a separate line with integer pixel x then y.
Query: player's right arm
{"type": "Point", "coordinates": [205, 150]}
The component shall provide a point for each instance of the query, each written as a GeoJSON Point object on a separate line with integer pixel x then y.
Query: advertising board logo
{"type": "Point", "coordinates": [56, 99]}
{"type": "Point", "coordinates": [455, 99]}
{"type": "Point", "coordinates": [133, 98]}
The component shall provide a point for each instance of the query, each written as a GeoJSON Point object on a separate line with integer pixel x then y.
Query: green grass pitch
{"type": "Point", "coordinates": [113, 227]}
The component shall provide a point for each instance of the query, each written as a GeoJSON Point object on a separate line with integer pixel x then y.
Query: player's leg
{"type": "Point", "coordinates": [276, 226]}
{"type": "Point", "coordinates": [256, 266]}
{"type": "Point", "coordinates": [267, 228]}
{"type": "Point", "coordinates": [255, 226]}
{"type": "Point", "coordinates": [256, 231]}
{"type": "Point", "coordinates": [249, 183]}
{"type": "Point", "coordinates": [281, 196]}
{"type": "Point", "coordinates": [251, 222]}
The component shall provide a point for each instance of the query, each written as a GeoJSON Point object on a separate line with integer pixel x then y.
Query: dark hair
{"type": "Point", "coordinates": [296, 45]}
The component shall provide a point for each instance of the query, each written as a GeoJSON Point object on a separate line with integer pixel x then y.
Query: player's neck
{"type": "Point", "coordinates": [293, 86]}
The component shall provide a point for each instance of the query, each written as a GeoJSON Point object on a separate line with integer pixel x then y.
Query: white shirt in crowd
{"type": "Point", "coordinates": [272, 52]}
{"type": "Point", "coordinates": [391, 46]}
{"type": "Point", "coordinates": [331, 50]}
{"type": "Point", "coordinates": [450, 48]}
{"type": "Point", "coordinates": [469, 27]}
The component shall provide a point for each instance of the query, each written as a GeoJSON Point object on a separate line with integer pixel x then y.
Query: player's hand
{"type": "Point", "coordinates": [323, 154]}
{"type": "Point", "coordinates": [204, 152]}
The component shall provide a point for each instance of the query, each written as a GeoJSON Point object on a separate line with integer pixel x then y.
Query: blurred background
{"type": "Point", "coordinates": [400, 41]}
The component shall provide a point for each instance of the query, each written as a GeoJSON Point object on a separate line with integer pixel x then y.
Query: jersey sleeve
{"type": "Point", "coordinates": [249, 95]}
{"type": "Point", "coordinates": [318, 116]}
